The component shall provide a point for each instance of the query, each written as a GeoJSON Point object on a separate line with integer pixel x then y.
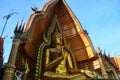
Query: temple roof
{"type": "Point", "coordinates": [113, 61]}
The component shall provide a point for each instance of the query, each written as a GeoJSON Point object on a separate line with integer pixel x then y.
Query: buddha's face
{"type": "Point", "coordinates": [57, 39]}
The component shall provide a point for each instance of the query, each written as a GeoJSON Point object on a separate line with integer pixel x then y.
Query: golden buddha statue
{"type": "Point", "coordinates": [59, 63]}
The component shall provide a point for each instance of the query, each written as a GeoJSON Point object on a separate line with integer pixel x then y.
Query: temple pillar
{"type": "Point", "coordinates": [10, 67]}
{"type": "Point", "coordinates": [103, 71]}
{"type": "Point", "coordinates": [116, 77]}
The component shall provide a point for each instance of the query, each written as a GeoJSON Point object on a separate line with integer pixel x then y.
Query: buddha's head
{"type": "Point", "coordinates": [57, 38]}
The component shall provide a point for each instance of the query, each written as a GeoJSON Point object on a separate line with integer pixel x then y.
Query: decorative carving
{"type": "Point", "coordinates": [22, 74]}
{"type": "Point", "coordinates": [35, 9]}
{"type": "Point", "coordinates": [19, 30]}
{"type": "Point", "coordinates": [18, 75]}
{"type": "Point", "coordinates": [25, 66]}
{"type": "Point", "coordinates": [47, 40]}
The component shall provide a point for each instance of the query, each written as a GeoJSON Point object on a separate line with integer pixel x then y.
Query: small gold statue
{"type": "Point", "coordinates": [25, 66]}
{"type": "Point", "coordinates": [25, 69]}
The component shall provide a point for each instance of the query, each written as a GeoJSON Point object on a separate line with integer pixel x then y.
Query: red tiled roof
{"type": "Point", "coordinates": [112, 61]}
{"type": "Point", "coordinates": [117, 61]}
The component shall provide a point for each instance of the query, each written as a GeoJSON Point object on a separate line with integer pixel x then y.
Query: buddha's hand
{"type": "Point", "coordinates": [82, 71]}
{"type": "Point", "coordinates": [90, 74]}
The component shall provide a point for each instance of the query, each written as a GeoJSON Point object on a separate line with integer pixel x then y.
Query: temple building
{"type": "Point", "coordinates": [110, 65]}
{"type": "Point", "coordinates": [51, 46]}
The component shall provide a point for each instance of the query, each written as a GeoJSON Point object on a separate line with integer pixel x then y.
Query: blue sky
{"type": "Point", "coordinates": [101, 18]}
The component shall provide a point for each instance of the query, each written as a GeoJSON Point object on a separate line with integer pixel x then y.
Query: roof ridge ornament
{"type": "Point", "coordinates": [35, 9]}
{"type": "Point", "coordinates": [19, 30]}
